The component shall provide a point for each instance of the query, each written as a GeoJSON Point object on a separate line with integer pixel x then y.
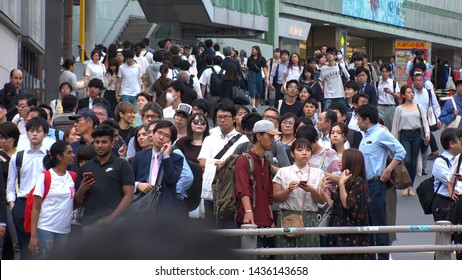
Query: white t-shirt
{"type": "Point", "coordinates": [168, 112]}
{"type": "Point", "coordinates": [333, 85]}
{"type": "Point", "coordinates": [142, 62]}
{"type": "Point", "coordinates": [205, 77]}
{"type": "Point", "coordinates": [211, 146]}
{"type": "Point", "coordinates": [385, 98]}
{"type": "Point", "coordinates": [56, 212]}
{"type": "Point", "coordinates": [95, 70]}
{"type": "Point", "coordinates": [451, 177]}
{"type": "Point", "coordinates": [294, 201]}
{"type": "Point", "coordinates": [131, 78]}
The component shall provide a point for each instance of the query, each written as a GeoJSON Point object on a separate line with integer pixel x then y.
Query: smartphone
{"type": "Point", "coordinates": [88, 175]}
{"type": "Point", "coordinates": [457, 175]}
{"type": "Point", "coordinates": [303, 182]}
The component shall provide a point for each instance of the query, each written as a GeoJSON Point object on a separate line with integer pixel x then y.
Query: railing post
{"type": "Point", "coordinates": [249, 241]}
{"type": "Point", "coordinates": [443, 238]}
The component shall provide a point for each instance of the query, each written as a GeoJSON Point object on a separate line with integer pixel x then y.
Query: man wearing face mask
{"type": "Point", "coordinates": [175, 91]}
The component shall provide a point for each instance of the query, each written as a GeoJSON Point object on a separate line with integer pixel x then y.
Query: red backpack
{"type": "Point", "coordinates": [30, 198]}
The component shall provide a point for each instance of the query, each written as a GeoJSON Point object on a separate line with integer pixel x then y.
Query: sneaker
{"type": "Point", "coordinates": [424, 172]}
{"type": "Point", "coordinates": [432, 156]}
{"type": "Point", "coordinates": [254, 110]}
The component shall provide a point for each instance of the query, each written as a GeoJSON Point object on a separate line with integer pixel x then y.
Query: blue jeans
{"type": "Point", "coordinates": [255, 84]}
{"type": "Point", "coordinates": [411, 140]}
{"type": "Point", "coordinates": [128, 98]}
{"type": "Point", "coordinates": [377, 207]}
{"type": "Point", "coordinates": [330, 101]}
{"type": "Point", "coordinates": [50, 241]}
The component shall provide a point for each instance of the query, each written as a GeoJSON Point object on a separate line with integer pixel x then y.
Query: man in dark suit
{"type": "Point", "coordinates": [148, 164]}
{"type": "Point", "coordinates": [354, 137]}
{"type": "Point", "coordinates": [95, 87]}
{"type": "Point", "coordinates": [361, 74]}
{"type": "Point", "coordinates": [227, 51]}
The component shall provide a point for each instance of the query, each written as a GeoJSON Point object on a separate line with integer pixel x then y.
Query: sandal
{"type": "Point", "coordinates": [405, 192]}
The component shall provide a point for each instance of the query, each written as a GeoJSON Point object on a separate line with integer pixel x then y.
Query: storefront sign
{"type": "Point", "coordinates": [294, 29]}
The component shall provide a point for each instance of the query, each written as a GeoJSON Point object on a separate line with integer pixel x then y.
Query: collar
{"type": "Point", "coordinates": [229, 135]}
{"type": "Point", "coordinates": [42, 149]}
{"type": "Point", "coordinates": [372, 129]}
{"type": "Point", "coordinates": [110, 160]}
{"type": "Point", "coordinates": [303, 172]}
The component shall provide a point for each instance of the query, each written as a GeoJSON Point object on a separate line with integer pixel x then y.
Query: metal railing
{"type": "Point", "coordinates": [442, 248]}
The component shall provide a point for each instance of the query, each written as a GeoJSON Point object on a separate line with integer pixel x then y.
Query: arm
{"type": "Point", "coordinates": [11, 183]}
{"type": "Point", "coordinates": [34, 242]}
{"type": "Point", "coordinates": [127, 199]}
{"type": "Point", "coordinates": [398, 154]}
{"type": "Point", "coordinates": [280, 194]}
{"type": "Point", "coordinates": [448, 113]}
{"type": "Point", "coordinates": [186, 177]}
{"type": "Point", "coordinates": [82, 185]}
{"type": "Point", "coordinates": [118, 85]}
{"type": "Point", "coordinates": [395, 124]}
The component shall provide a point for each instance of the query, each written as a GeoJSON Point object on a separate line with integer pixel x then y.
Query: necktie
{"type": "Point", "coordinates": [276, 75]}
{"type": "Point", "coordinates": [154, 170]}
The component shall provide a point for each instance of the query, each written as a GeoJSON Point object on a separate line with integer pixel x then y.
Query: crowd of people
{"type": "Point", "coordinates": [165, 121]}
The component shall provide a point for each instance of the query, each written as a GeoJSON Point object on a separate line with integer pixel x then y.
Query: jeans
{"type": "Point", "coordinates": [23, 237]}
{"type": "Point", "coordinates": [411, 140]}
{"type": "Point", "coordinates": [128, 98]}
{"type": "Point", "coordinates": [255, 84]}
{"type": "Point", "coordinates": [50, 242]}
{"type": "Point", "coordinates": [377, 212]}
{"type": "Point", "coordinates": [330, 101]}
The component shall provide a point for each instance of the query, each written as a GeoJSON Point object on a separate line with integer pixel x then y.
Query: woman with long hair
{"type": "Point", "coordinates": [229, 80]}
{"type": "Point", "coordinates": [141, 138]}
{"type": "Point", "coordinates": [255, 63]}
{"type": "Point", "coordinates": [198, 129]}
{"type": "Point", "coordinates": [94, 69]}
{"type": "Point", "coordinates": [192, 59]}
{"type": "Point", "coordinates": [307, 79]}
{"type": "Point", "coordinates": [111, 53]}
{"type": "Point", "coordinates": [160, 87]}
{"type": "Point", "coordinates": [339, 138]}
{"type": "Point", "coordinates": [110, 82]}
{"type": "Point", "coordinates": [294, 69]}
{"type": "Point", "coordinates": [52, 211]}
{"type": "Point", "coordinates": [410, 127]}
{"type": "Point", "coordinates": [296, 189]}
{"type": "Point", "coordinates": [349, 207]}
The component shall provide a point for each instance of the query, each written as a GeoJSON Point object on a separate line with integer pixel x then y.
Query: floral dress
{"type": "Point", "coordinates": [355, 215]}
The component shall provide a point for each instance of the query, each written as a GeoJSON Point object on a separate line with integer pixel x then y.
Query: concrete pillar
{"type": "Point", "coordinates": [273, 22]}
{"type": "Point", "coordinates": [90, 26]}
{"type": "Point", "coordinates": [249, 241]}
{"type": "Point", "coordinates": [54, 10]}
{"type": "Point", "coordinates": [443, 238]}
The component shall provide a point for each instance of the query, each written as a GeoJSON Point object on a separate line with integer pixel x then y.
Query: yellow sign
{"type": "Point", "coordinates": [342, 41]}
{"type": "Point", "coordinates": [410, 45]}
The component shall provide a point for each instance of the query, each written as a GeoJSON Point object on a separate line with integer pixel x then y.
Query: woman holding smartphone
{"type": "Point", "coordinates": [51, 216]}
{"type": "Point", "coordinates": [297, 190]}
{"type": "Point", "coordinates": [349, 207]}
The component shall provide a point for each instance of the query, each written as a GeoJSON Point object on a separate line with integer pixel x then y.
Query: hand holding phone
{"type": "Point", "coordinates": [88, 175]}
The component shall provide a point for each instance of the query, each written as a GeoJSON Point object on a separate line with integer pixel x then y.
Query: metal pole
{"type": "Point", "coordinates": [249, 241]}
{"type": "Point", "coordinates": [443, 238]}
{"type": "Point", "coordinates": [82, 31]}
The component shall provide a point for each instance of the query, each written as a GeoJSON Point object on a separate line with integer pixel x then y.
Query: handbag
{"type": "Point", "coordinates": [424, 144]}
{"type": "Point", "coordinates": [324, 220]}
{"type": "Point", "coordinates": [399, 176]}
{"type": "Point", "coordinates": [450, 83]}
{"type": "Point", "coordinates": [455, 123]}
{"type": "Point", "coordinates": [240, 96]}
{"type": "Point", "coordinates": [431, 117]}
{"type": "Point", "coordinates": [146, 203]}
{"type": "Point", "coordinates": [295, 220]}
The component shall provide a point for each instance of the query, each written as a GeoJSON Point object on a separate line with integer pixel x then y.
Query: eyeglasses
{"type": "Point", "coordinates": [273, 118]}
{"type": "Point", "coordinates": [197, 122]}
{"type": "Point", "coordinates": [146, 116]}
{"type": "Point", "coordinates": [227, 117]}
{"type": "Point", "coordinates": [160, 133]}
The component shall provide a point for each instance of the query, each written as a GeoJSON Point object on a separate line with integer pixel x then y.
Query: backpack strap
{"type": "Point", "coordinates": [19, 159]}
{"type": "Point", "coordinates": [279, 105]}
{"type": "Point", "coordinates": [47, 183]}
{"type": "Point", "coordinates": [73, 175]}
{"type": "Point", "coordinates": [57, 135]}
{"type": "Point", "coordinates": [252, 179]}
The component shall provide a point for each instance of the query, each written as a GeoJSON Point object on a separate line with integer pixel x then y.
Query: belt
{"type": "Point", "coordinates": [21, 198]}
{"type": "Point", "coordinates": [412, 130]}
{"type": "Point", "coordinates": [387, 105]}
{"type": "Point", "coordinates": [374, 179]}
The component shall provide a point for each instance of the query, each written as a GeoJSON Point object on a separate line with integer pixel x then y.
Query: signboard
{"type": "Point", "coordinates": [403, 53]}
{"type": "Point", "coordinates": [293, 29]}
{"type": "Point", "coordinates": [385, 11]}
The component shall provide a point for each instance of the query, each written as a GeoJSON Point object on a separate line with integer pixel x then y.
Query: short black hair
{"type": "Point", "coordinates": [355, 98]}
{"type": "Point", "coordinates": [42, 113]}
{"type": "Point", "coordinates": [167, 124]}
{"type": "Point", "coordinates": [129, 54]}
{"type": "Point", "coordinates": [368, 111]}
{"type": "Point", "coordinates": [69, 103]}
{"type": "Point", "coordinates": [449, 135]}
{"type": "Point", "coordinates": [111, 123]}
{"type": "Point", "coordinates": [202, 104]}
{"type": "Point", "coordinates": [153, 107]}
{"type": "Point", "coordinates": [360, 70]}
{"type": "Point", "coordinates": [30, 98]}
{"type": "Point", "coordinates": [36, 123]}
{"type": "Point", "coordinates": [226, 105]}
{"type": "Point", "coordinates": [352, 84]}
{"type": "Point", "coordinates": [249, 120]}
{"type": "Point", "coordinates": [331, 116]}
{"type": "Point", "coordinates": [339, 107]}
{"type": "Point", "coordinates": [208, 43]}
{"type": "Point", "coordinates": [103, 130]}
{"type": "Point", "coordinates": [217, 60]}
{"type": "Point", "coordinates": [308, 132]}
{"type": "Point", "coordinates": [10, 130]}
{"type": "Point", "coordinates": [46, 106]}
{"type": "Point", "coordinates": [178, 86]}
{"type": "Point", "coordinates": [385, 66]}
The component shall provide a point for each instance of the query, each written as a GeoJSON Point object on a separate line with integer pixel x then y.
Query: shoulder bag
{"type": "Point", "coordinates": [295, 220]}
{"type": "Point", "coordinates": [430, 114]}
{"type": "Point", "coordinates": [146, 203]}
{"type": "Point", "coordinates": [455, 123]}
{"type": "Point", "coordinates": [399, 176]}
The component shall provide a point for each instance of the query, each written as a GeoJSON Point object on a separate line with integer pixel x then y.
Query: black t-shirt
{"type": "Point", "coordinates": [5, 163]}
{"type": "Point", "coordinates": [105, 195]}
{"type": "Point", "coordinates": [256, 65]}
{"type": "Point", "coordinates": [127, 134]}
{"type": "Point", "coordinates": [190, 151]}
{"type": "Point", "coordinates": [296, 108]}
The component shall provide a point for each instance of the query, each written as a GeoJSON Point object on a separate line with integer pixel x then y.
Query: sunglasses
{"type": "Point", "coordinates": [201, 122]}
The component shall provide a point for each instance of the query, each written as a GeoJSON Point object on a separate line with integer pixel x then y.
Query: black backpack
{"type": "Point", "coordinates": [215, 82]}
{"type": "Point", "coordinates": [426, 192]}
